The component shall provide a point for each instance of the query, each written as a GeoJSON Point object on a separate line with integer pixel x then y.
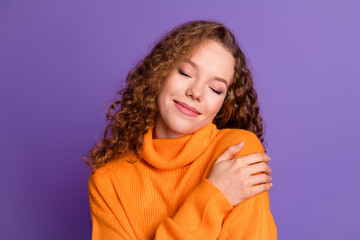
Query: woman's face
{"type": "Point", "coordinates": [194, 91]}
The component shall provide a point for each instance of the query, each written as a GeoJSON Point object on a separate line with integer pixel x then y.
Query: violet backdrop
{"type": "Point", "coordinates": [61, 61]}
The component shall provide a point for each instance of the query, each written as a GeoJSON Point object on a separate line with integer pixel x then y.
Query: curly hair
{"type": "Point", "coordinates": [135, 112]}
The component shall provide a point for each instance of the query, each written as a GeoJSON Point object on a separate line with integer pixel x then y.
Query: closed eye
{"type": "Point", "coordinates": [182, 73]}
{"type": "Point", "coordinates": [215, 91]}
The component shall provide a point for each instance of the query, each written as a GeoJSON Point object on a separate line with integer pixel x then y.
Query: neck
{"type": "Point", "coordinates": [162, 133]}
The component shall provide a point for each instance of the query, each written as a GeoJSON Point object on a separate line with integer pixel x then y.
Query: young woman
{"type": "Point", "coordinates": [181, 157]}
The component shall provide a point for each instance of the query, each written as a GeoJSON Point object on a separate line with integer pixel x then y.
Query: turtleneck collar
{"type": "Point", "coordinates": [177, 152]}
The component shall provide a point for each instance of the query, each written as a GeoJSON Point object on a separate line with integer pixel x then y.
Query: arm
{"type": "Point", "coordinates": [251, 218]}
{"type": "Point", "coordinates": [200, 216]}
{"type": "Point", "coordinates": [104, 223]}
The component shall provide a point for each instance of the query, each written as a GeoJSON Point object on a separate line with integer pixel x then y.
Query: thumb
{"type": "Point", "coordinates": [230, 152]}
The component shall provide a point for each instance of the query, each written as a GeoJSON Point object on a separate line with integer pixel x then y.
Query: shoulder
{"type": "Point", "coordinates": [229, 137]}
{"type": "Point", "coordinates": [110, 171]}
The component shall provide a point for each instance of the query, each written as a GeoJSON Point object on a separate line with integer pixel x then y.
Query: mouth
{"type": "Point", "coordinates": [186, 109]}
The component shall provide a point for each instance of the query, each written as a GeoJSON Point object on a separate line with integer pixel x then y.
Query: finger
{"type": "Point", "coordinates": [231, 152]}
{"type": "Point", "coordinates": [259, 179]}
{"type": "Point", "coordinates": [255, 158]}
{"type": "Point", "coordinates": [261, 188]}
{"type": "Point", "coordinates": [258, 168]}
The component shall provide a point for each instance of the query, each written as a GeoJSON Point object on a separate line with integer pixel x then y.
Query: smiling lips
{"type": "Point", "coordinates": [186, 109]}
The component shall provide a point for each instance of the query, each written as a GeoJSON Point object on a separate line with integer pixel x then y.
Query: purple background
{"type": "Point", "coordinates": [61, 61]}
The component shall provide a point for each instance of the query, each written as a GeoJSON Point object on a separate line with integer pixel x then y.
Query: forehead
{"type": "Point", "coordinates": [212, 58]}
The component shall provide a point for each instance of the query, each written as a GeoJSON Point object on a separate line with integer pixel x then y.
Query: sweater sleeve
{"type": "Point", "coordinates": [251, 219]}
{"type": "Point", "coordinates": [105, 223]}
{"type": "Point", "coordinates": [200, 217]}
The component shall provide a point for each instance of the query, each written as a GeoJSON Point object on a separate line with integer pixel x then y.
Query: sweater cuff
{"type": "Point", "coordinates": [216, 199]}
{"type": "Point", "coordinates": [204, 209]}
{"type": "Point", "coordinates": [211, 200]}
{"type": "Point", "coordinates": [200, 217]}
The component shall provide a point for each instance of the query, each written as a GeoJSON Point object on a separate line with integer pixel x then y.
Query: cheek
{"type": "Point", "coordinates": [167, 92]}
{"type": "Point", "coordinates": [176, 86]}
{"type": "Point", "coordinates": [171, 86]}
{"type": "Point", "coordinates": [160, 101]}
{"type": "Point", "coordinates": [215, 105]}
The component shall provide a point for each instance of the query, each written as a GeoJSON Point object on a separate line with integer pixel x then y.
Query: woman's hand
{"type": "Point", "coordinates": [240, 178]}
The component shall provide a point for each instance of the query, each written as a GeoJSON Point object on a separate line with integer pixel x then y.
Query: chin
{"type": "Point", "coordinates": [178, 127]}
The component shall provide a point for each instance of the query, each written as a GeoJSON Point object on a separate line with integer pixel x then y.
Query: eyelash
{"type": "Point", "coordinates": [184, 74]}
{"type": "Point", "coordinates": [215, 91]}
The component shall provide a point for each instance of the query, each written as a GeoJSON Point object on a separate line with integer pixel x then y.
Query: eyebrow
{"type": "Point", "coordinates": [216, 78]}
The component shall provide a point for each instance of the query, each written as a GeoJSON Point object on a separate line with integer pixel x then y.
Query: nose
{"type": "Point", "coordinates": [194, 92]}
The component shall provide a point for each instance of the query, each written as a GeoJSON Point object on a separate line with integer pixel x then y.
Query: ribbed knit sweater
{"type": "Point", "coordinates": [166, 194]}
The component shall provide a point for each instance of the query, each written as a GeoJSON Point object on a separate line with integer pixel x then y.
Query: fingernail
{"type": "Point", "coordinates": [240, 144]}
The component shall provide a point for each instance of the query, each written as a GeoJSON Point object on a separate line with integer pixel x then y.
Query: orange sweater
{"type": "Point", "coordinates": [166, 195]}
